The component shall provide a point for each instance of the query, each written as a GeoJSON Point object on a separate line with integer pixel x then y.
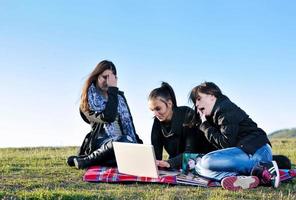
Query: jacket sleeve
{"type": "Point", "coordinates": [187, 139]}
{"type": "Point", "coordinates": [156, 140]}
{"type": "Point", "coordinates": [191, 140]}
{"type": "Point", "coordinates": [223, 135]}
{"type": "Point", "coordinates": [109, 113]}
{"type": "Point", "coordinates": [189, 146]}
{"type": "Point", "coordinates": [176, 162]}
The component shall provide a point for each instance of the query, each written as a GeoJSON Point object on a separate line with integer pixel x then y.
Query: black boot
{"type": "Point", "coordinates": [104, 154]}
{"type": "Point", "coordinates": [70, 160]}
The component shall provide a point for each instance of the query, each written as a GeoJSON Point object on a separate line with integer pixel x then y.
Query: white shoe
{"type": "Point", "coordinates": [239, 182]}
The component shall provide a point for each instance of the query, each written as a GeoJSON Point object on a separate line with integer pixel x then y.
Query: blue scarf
{"type": "Point", "coordinates": [97, 102]}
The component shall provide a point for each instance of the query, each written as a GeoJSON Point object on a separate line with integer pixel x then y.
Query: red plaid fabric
{"type": "Point", "coordinates": [287, 174]}
{"type": "Point", "coordinates": [111, 174]}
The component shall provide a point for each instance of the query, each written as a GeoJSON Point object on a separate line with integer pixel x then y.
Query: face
{"type": "Point", "coordinates": [102, 80]}
{"type": "Point", "coordinates": [205, 103]}
{"type": "Point", "coordinates": [161, 109]}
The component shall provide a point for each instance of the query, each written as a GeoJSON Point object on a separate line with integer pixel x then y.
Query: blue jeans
{"type": "Point", "coordinates": [231, 162]}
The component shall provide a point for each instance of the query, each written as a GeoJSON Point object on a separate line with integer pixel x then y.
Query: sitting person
{"type": "Point", "coordinates": [105, 108]}
{"type": "Point", "coordinates": [244, 149]}
{"type": "Point", "coordinates": [170, 130]}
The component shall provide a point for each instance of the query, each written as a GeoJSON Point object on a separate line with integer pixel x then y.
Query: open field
{"type": "Point", "coordinates": [41, 173]}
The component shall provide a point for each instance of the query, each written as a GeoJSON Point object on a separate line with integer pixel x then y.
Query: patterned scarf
{"type": "Point", "coordinates": [97, 102]}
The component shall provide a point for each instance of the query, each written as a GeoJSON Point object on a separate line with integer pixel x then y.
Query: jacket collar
{"type": "Point", "coordinates": [218, 103]}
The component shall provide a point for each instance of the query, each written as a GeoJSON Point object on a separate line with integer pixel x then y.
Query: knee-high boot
{"type": "Point", "coordinates": [70, 159]}
{"type": "Point", "coordinates": [105, 154]}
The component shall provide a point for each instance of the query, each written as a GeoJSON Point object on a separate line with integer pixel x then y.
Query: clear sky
{"type": "Point", "coordinates": [47, 49]}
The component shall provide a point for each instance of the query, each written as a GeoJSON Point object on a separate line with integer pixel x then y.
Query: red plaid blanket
{"type": "Point", "coordinates": [111, 174]}
{"type": "Point", "coordinates": [287, 174]}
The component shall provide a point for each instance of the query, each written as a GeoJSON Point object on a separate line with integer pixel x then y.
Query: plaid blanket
{"type": "Point", "coordinates": [111, 175]}
{"type": "Point", "coordinates": [287, 174]}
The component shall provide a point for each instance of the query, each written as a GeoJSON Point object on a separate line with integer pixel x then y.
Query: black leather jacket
{"type": "Point", "coordinates": [229, 126]}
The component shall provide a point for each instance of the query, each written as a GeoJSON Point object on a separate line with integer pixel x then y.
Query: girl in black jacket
{"type": "Point", "coordinates": [105, 108]}
{"type": "Point", "coordinates": [169, 130]}
{"type": "Point", "coordinates": [244, 148]}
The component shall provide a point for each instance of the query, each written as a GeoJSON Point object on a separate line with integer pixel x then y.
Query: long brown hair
{"type": "Point", "coordinates": [93, 78]}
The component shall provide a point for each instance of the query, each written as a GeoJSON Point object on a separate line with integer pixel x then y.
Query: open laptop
{"type": "Point", "coordinates": [138, 160]}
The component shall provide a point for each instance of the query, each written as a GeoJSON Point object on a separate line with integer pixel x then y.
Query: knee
{"type": "Point", "coordinates": [213, 161]}
{"type": "Point", "coordinates": [207, 162]}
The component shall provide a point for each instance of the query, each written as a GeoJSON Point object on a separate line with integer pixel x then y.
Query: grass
{"type": "Point", "coordinates": [41, 173]}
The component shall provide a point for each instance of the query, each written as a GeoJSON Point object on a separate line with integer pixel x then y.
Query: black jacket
{"type": "Point", "coordinates": [229, 126]}
{"type": "Point", "coordinates": [185, 139]}
{"type": "Point", "coordinates": [97, 120]}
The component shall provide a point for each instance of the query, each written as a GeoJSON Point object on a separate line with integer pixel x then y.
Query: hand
{"type": "Point", "coordinates": [162, 163]}
{"type": "Point", "coordinates": [112, 80]}
{"type": "Point", "coordinates": [202, 116]}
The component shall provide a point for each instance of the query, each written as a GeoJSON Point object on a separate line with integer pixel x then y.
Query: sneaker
{"type": "Point", "coordinates": [239, 182]}
{"type": "Point", "coordinates": [268, 173]}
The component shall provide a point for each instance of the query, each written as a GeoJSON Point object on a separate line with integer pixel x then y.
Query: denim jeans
{"type": "Point", "coordinates": [230, 162]}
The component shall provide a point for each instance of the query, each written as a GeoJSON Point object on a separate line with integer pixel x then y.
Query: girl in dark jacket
{"type": "Point", "coordinates": [244, 148]}
{"type": "Point", "coordinates": [169, 130]}
{"type": "Point", "coordinates": [105, 108]}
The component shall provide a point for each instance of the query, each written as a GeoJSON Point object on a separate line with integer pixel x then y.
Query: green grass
{"type": "Point", "coordinates": [41, 173]}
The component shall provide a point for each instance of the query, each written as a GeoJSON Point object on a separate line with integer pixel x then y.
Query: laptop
{"type": "Point", "coordinates": [138, 160]}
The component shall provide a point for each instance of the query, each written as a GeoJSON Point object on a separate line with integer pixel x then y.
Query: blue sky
{"type": "Point", "coordinates": [47, 48]}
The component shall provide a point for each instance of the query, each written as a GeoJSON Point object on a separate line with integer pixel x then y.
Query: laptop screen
{"type": "Point", "coordinates": [135, 159]}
